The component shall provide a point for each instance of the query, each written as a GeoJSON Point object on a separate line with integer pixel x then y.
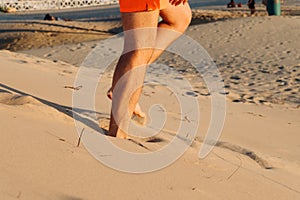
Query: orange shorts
{"type": "Point", "coordinates": [142, 5]}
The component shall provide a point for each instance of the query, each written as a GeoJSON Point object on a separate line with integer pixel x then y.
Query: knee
{"type": "Point", "coordinates": [181, 23]}
{"type": "Point", "coordinates": [185, 21]}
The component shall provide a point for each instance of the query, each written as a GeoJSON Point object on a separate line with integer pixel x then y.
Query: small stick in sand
{"type": "Point", "coordinates": [79, 139]}
{"type": "Point", "coordinates": [74, 88]}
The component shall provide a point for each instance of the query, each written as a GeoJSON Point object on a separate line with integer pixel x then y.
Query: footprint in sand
{"type": "Point", "coordinates": [36, 106]}
{"type": "Point", "coordinates": [262, 162]}
{"type": "Point", "coordinates": [13, 100]}
{"type": "Point", "coordinates": [22, 61]}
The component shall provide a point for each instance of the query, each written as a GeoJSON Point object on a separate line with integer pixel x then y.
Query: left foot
{"type": "Point", "coordinates": [138, 115]}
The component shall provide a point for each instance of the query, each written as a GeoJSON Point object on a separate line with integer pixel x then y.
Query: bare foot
{"type": "Point", "coordinates": [138, 115]}
{"type": "Point", "coordinates": [115, 131]}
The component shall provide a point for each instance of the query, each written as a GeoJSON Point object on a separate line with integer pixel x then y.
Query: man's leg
{"type": "Point", "coordinates": [175, 21]}
{"type": "Point", "coordinates": [129, 65]}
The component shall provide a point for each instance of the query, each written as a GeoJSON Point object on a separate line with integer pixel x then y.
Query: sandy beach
{"type": "Point", "coordinates": [256, 157]}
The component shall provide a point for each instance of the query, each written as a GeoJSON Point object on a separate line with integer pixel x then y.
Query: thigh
{"type": "Point", "coordinates": [140, 29]}
{"type": "Point", "coordinates": [176, 14]}
{"type": "Point", "coordinates": [133, 20]}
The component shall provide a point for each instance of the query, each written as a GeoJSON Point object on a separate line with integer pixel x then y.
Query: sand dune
{"type": "Point", "coordinates": [41, 160]}
{"type": "Point", "coordinates": [256, 157]}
